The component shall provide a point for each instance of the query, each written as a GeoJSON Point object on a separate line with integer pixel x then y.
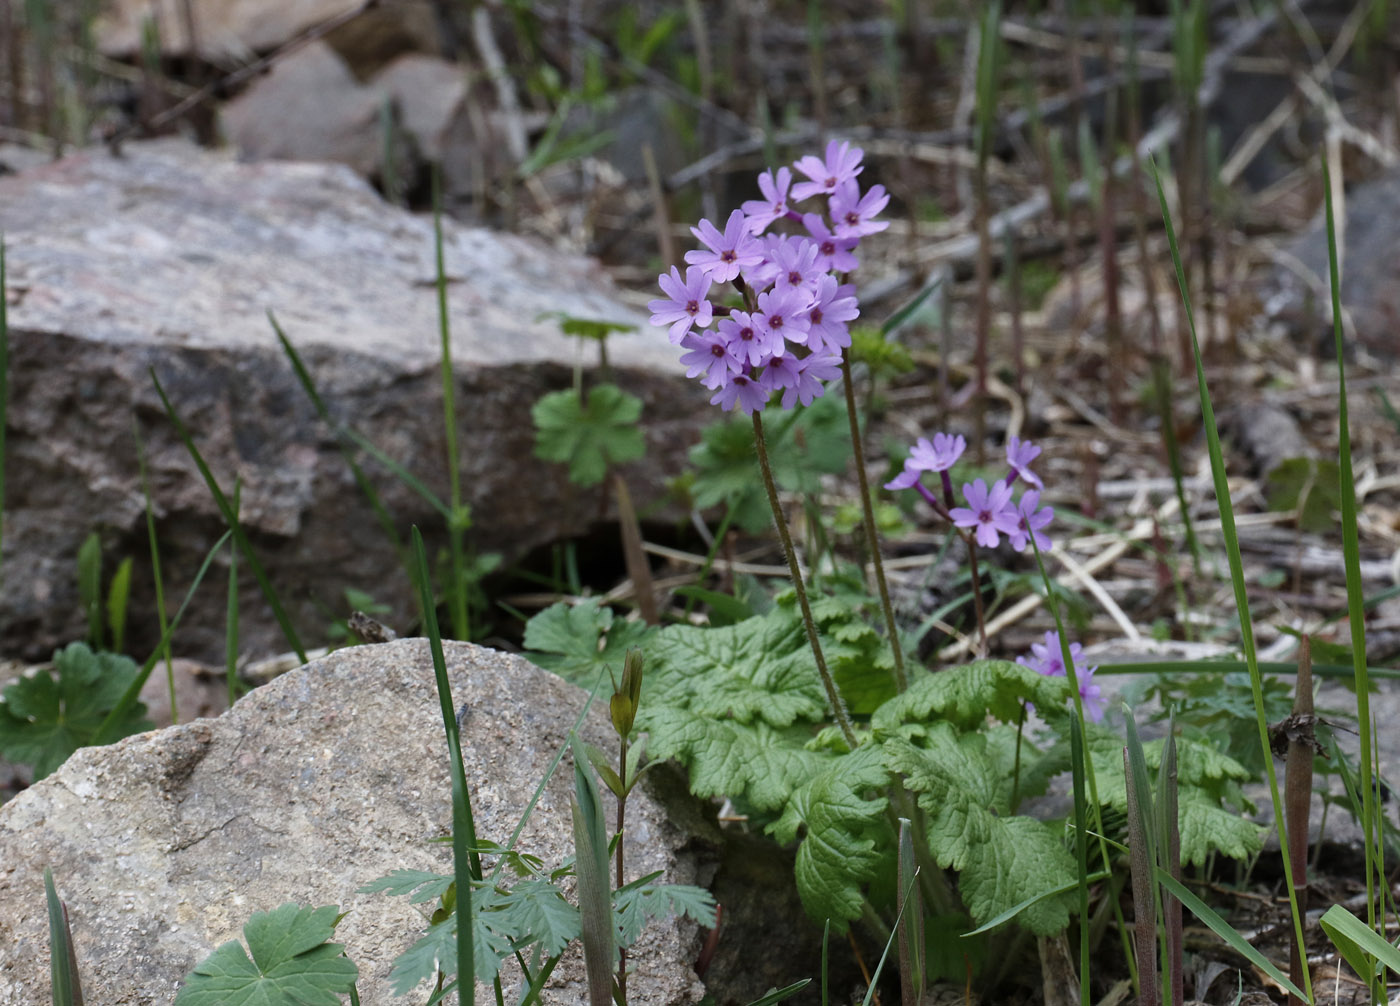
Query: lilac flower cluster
{"type": "Point", "coordinates": [792, 327]}
{"type": "Point", "coordinates": [1046, 658]}
{"type": "Point", "coordinates": [989, 513]}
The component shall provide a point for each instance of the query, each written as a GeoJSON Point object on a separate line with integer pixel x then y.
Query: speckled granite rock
{"type": "Point", "coordinates": [169, 259]}
{"type": "Point", "coordinates": [310, 787]}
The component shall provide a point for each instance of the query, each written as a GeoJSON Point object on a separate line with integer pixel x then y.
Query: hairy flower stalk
{"type": "Point", "coordinates": [901, 679]}
{"type": "Point", "coordinates": [838, 707]}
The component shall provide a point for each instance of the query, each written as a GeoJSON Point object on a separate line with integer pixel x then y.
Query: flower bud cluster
{"type": "Point", "coordinates": [792, 328]}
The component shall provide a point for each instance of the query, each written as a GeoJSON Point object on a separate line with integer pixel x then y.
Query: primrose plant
{"type": "Point", "coordinates": [802, 714]}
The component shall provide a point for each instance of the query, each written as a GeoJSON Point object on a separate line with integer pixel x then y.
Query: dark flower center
{"type": "Point", "coordinates": [795, 278]}
{"type": "Point", "coordinates": [692, 307]}
{"type": "Point", "coordinates": [816, 316]}
{"type": "Point", "coordinates": [746, 334]}
{"type": "Point", "coordinates": [717, 350]}
{"type": "Point", "coordinates": [853, 218]}
{"type": "Point", "coordinates": [831, 181]}
{"type": "Point", "coordinates": [727, 255]}
{"type": "Point", "coordinates": [828, 248]}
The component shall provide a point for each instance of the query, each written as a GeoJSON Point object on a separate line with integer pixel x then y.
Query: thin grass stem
{"type": "Point", "coordinates": [161, 619]}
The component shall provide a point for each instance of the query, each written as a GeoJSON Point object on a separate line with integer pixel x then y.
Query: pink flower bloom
{"type": "Point", "coordinates": [762, 213]}
{"type": "Point", "coordinates": [749, 341]}
{"type": "Point", "coordinates": [813, 371]}
{"type": "Point", "coordinates": [729, 252]}
{"type": "Point", "coordinates": [1092, 696]}
{"type": "Point", "coordinates": [833, 253]}
{"type": "Point", "coordinates": [781, 372]}
{"type": "Point", "coordinates": [1046, 658]}
{"type": "Point", "coordinates": [853, 213]}
{"type": "Point", "coordinates": [1019, 455]}
{"type": "Point", "coordinates": [1030, 521]}
{"type": "Point", "coordinates": [782, 313]}
{"type": "Point", "coordinates": [710, 355]}
{"type": "Point", "coordinates": [744, 391]}
{"type": "Point", "coordinates": [841, 164]}
{"type": "Point", "coordinates": [987, 511]}
{"type": "Point", "coordinates": [828, 315]}
{"type": "Point", "coordinates": [687, 304]}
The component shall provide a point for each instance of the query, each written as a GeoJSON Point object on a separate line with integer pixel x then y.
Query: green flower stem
{"type": "Point", "coordinates": [833, 696]}
{"type": "Point", "coordinates": [901, 680]}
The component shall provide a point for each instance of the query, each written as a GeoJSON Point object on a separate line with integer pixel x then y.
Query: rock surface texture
{"type": "Point", "coordinates": [309, 788]}
{"type": "Point", "coordinates": [169, 259]}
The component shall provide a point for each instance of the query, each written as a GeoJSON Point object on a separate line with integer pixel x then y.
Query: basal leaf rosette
{"type": "Point", "coordinates": [965, 696]}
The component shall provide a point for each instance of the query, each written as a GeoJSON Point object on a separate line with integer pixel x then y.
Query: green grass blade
{"type": "Point", "coordinates": [1227, 932]}
{"type": "Point", "coordinates": [366, 487]}
{"type": "Point", "coordinates": [161, 620]}
{"type": "Point", "coordinates": [466, 864]}
{"type": "Point", "coordinates": [63, 970]}
{"type": "Point", "coordinates": [231, 609]}
{"type": "Point", "coordinates": [457, 519]}
{"type": "Point", "coordinates": [1232, 551]}
{"type": "Point", "coordinates": [885, 954]}
{"type": "Point", "coordinates": [133, 690]}
{"type": "Point", "coordinates": [594, 894]}
{"type": "Point", "coordinates": [1365, 951]}
{"type": "Point", "coordinates": [231, 519]}
{"type": "Point", "coordinates": [1351, 557]}
{"type": "Point", "coordinates": [826, 941]}
{"type": "Point", "coordinates": [786, 992]}
{"type": "Point", "coordinates": [118, 594]}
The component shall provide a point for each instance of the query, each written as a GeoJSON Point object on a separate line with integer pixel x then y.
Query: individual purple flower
{"type": "Point", "coordinates": [936, 456]}
{"type": "Point", "coordinates": [750, 342]}
{"type": "Point", "coordinates": [795, 262]}
{"type": "Point", "coordinates": [783, 313]}
{"type": "Point", "coordinates": [781, 372]}
{"type": "Point", "coordinates": [1091, 695]}
{"type": "Point", "coordinates": [1019, 455]}
{"type": "Point", "coordinates": [827, 317]}
{"type": "Point", "coordinates": [711, 355]}
{"type": "Point", "coordinates": [987, 511]}
{"type": "Point", "coordinates": [813, 371]}
{"type": "Point", "coordinates": [729, 252]}
{"type": "Point", "coordinates": [841, 164]}
{"type": "Point", "coordinates": [833, 253]}
{"type": "Point", "coordinates": [761, 213]}
{"type": "Point", "coordinates": [1046, 658]}
{"type": "Point", "coordinates": [1030, 521]}
{"type": "Point", "coordinates": [742, 390]}
{"type": "Point", "coordinates": [687, 304]}
{"type": "Point", "coordinates": [853, 214]}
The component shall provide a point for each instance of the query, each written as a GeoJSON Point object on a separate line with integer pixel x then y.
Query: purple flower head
{"type": "Point", "coordinates": [762, 213]}
{"type": "Point", "coordinates": [749, 341]}
{"type": "Point", "coordinates": [710, 354]}
{"type": "Point", "coordinates": [782, 313]}
{"type": "Point", "coordinates": [854, 214]}
{"type": "Point", "coordinates": [1091, 695]}
{"type": "Point", "coordinates": [833, 253]}
{"type": "Point", "coordinates": [1030, 521]}
{"type": "Point", "coordinates": [813, 371]}
{"type": "Point", "coordinates": [828, 315]}
{"type": "Point", "coordinates": [987, 511]}
{"type": "Point", "coordinates": [938, 456]}
{"type": "Point", "coordinates": [729, 252]}
{"type": "Point", "coordinates": [841, 164]}
{"type": "Point", "coordinates": [687, 304]}
{"type": "Point", "coordinates": [744, 391]}
{"type": "Point", "coordinates": [1019, 455]}
{"type": "Point", "coordinates": [795, 261]}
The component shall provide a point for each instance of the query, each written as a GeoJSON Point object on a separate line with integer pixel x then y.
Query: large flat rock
{"type": "Point", "coordinates": [169, 259]}
{"type": "Point", "coordinates": [326, 779]}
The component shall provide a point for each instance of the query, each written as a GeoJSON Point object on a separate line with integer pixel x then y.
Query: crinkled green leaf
{"type": "Point", "coordinates": [45, 717]}
{"type": "Point", "coordinates": [588, 438]}
{"type": "Point", "coordinates": [635, 904]}
{"type": "Point", "coordinates": [291, 965]}
{"type": "Point", "coordinates": [965, 695]}
{"type": "Point", "coordinates": [858, 655]}
{"type": "Point", "coordinates": [577, 641]}
{"type": "Point", "coordinates": [845, 835]}
{"type": "Point", "coordinates": [760, 762]}
{"type": "Point", "coordinates": [760, 668]}
{"type": "Point", "coordinates": [1207, 827]}
{"type": "Point", "coordinates": [1002, 860]}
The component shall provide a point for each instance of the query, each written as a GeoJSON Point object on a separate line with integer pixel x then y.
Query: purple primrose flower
{"type": "Point", "coordinates": [729, 252]}
{"type": "Point", "coordinates": [1019, 455]}
{"type": "Point", "coordinates": [854, 213]}
{"type": "Point", "coordinates": [938, 456]}
{"type": "Point", "coordinates": [1046, 658]}
{"type": "Point", "coordinates": [842, 163]}
{"type": "Point", "coordinates": [687, 304]}
{"type": "Point", "coordinates": [1030, 521]}
{"type": "Point", "coordinates": [989, 511]}
{"type": "Point", "coordinates": [763, 213]}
